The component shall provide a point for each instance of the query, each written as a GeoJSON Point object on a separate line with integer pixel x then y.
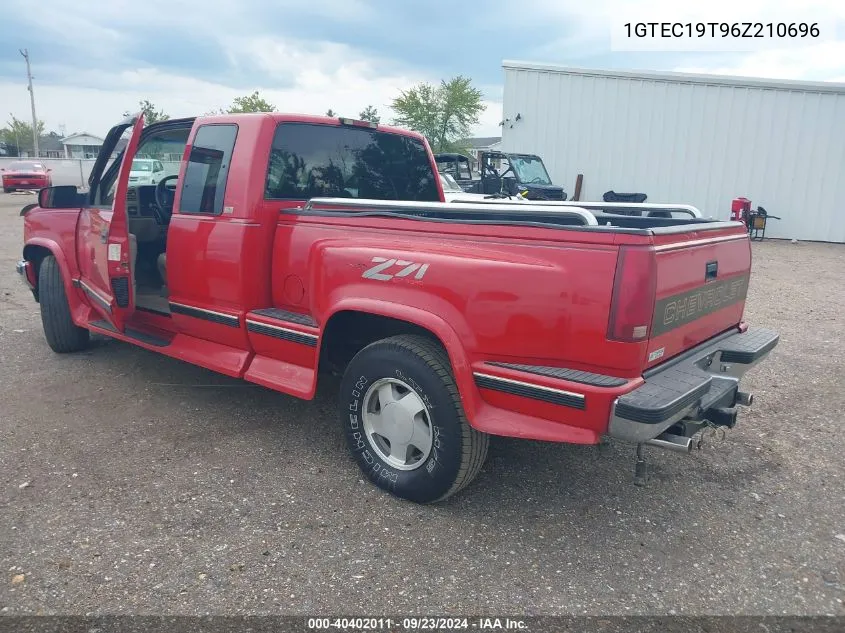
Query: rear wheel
{"type": "Point", "coordinates": [5, 190]}
{"type": "Point", "coordinates": [59, 329]}
{"type": "Point", "coordinates": [404, 421]}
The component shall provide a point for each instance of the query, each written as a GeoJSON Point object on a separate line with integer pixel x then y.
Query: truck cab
{"type": "Point", "coordinates": [142, 245]}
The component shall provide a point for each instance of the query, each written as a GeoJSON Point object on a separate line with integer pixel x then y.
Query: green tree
{"type": "Point", "coordinates": [250, 103]}
{"type": "Point", "coordinates": [369, 114]}
{"type": "Point", "coordinates": [151, 114]}
{"type": "Point", "coordinates": [444, 114]}
{"type": "Point", "coordinates": [18, 133]}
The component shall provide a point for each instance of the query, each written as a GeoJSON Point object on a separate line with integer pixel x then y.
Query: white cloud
{"type": "Point", "coordinates": [97, 109]}
{"type": "Point", "coordinates": [312, 76]}
{"type": "Point", "coordinates": [321, 75]}
{"type": "Point", "coordinates": [824, 62]}
{"type": "Point", "coordinates": [588, 30]}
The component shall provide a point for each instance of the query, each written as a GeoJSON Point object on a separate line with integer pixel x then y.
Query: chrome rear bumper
{"type": "Point", "coordinates": [702, 384]}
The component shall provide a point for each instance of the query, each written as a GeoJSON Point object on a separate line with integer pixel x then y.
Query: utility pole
{"type": "Point", "coordinates": [25, 54]}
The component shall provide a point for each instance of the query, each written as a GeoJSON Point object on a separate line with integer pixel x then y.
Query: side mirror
{"type": "Point", "coordinates": [49, 169]}
{"type": "Point", "coordinates": [62, 197]}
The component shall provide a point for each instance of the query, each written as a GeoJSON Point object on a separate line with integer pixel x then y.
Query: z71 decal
{"type": "Point", "coordinates": [398, 268]}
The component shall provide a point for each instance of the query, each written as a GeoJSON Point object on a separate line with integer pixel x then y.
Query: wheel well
{"type": "Point", "coordinates": [35, 254]}
{"type": "Point", "coordinates": [349, 331]}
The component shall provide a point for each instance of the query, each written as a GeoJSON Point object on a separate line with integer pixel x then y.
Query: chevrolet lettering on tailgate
{"type": "Point", "coordinates": [685, 307]}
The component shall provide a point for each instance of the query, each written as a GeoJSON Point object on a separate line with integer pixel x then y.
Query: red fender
{"type": "Point", "coordinates": [461, 366]}
{"type": "Point", "coordinates": [74, 300]}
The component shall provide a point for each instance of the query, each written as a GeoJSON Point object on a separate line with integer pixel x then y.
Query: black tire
{"type": "Point", "coordinates": [458, 450]}
{"type": "Point", "coordinates": [7, 190]}
{"type": "Point", "coordinates": [62, 334]}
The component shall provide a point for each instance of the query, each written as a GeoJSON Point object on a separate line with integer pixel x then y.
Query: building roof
{"type": "Point", "coordinates": [482, 141]}
{"type": "Point", "coordinates": [67, 140]}
{"type": "Point", "coordinates": [679, 77]}
{"type": "Point", "coordinates": [50, 142]}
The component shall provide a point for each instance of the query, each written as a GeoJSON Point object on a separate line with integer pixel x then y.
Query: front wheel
{"type": "Point", "coordinates": [404, 421]}
{"type": "Point", "coordinates": [61, 332]}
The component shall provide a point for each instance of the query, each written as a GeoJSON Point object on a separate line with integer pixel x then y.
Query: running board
{"type": "Point", "coordinates": [131, 333]}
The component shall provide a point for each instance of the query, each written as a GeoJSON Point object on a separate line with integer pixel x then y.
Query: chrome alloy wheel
{"type": "Point", "coordinates": [397, 423]}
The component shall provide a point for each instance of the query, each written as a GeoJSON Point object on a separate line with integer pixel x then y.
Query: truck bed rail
{"type": "Point", "coordinates": [586, 217]}
{"type": "Point", "coordinates": [598, 206]}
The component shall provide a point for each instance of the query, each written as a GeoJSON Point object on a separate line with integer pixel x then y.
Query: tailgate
{"type": "Point", "coordinates": [701, 287]}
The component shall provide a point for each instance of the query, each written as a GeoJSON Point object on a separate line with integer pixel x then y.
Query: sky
{"type": "Point", "coordinates": [92, 60]}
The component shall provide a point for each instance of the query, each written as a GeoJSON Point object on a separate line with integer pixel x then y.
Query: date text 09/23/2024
{"type": "Point", "coordinates": [415, 624]}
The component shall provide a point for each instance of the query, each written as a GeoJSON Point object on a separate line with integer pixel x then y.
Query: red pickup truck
{"type": "Point", "coordinates": [283, 245]}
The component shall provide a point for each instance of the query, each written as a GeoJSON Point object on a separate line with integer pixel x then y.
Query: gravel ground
{"type": "Point", "coordinates": [134, 483]}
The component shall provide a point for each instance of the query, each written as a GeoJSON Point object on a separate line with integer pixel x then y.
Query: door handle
{"type": "Point", "coordinates": [104, 234]}
{"type": "Point", "coordinates": [711, 270]}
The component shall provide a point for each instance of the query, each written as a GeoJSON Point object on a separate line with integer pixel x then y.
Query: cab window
{"type": "Point", "coordinates": [310, 160]}
{"type": "Point", "coordinates": [204, 182]}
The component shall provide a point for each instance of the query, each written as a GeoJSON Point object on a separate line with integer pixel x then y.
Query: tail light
{"type": "Point", "coordinates": [634, 288]}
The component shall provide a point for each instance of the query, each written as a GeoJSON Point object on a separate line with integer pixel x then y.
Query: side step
{"type": "Point", "coordinates": [284, 315]}
{"type": "Point", "coordinates": [132, 333]}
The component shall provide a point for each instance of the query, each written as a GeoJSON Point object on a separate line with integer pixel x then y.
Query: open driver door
{"type": "Point", "coordinates": [105, 251]}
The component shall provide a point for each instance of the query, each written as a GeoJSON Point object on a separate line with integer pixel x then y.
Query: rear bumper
{"type": "Point", "coordinates": [31, 184]}
{"type": "Point", "coordinates": [700, 383]}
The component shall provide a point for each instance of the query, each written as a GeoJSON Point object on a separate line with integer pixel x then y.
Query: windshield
{"type": "Point", "coordinates": [22, 166]}
{"type": "Point", "coordinates": [449, 184]}
{"type": "Point", "coordinates": [140, 165]}
{"type": "Point", "coordinates": [530, 170]}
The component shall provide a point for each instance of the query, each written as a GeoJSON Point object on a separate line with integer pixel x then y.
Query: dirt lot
{"type": "Point", "coordinates": [133, 483]}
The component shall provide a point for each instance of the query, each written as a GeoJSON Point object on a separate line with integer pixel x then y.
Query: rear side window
{"type": "Point", "coordinates": [308, 161]}
{"type": "Point", "coordinates": [204, 184]}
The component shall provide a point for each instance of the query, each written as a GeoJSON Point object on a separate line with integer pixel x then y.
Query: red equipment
{"type": "Point", "coordinates": [740, 209]}
{"type": "Point", "coordinates": [754, 220]}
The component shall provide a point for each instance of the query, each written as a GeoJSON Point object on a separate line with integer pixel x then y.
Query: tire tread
{"type": "Point", "coordinates": [474, 444]}
{"type": "Point", "coordinates": [62, 334]}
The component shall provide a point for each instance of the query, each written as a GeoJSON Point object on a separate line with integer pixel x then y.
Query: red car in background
{"type": "Point", "coordinates": [26, 174]}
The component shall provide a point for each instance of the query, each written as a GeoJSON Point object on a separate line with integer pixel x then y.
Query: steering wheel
{"type": "Point", "coordinates": [165, 197]}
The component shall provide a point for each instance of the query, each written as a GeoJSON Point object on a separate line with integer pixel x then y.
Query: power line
{"type": "Point", "coordinates": [25, 54]}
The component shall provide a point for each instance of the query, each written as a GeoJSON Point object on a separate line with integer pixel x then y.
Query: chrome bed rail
{"type": "Point", "coordinates": [627, 206]}
{"type": "Point", "coordinates": [586, 217]}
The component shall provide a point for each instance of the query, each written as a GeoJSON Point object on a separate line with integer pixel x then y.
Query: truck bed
{"type": "Point", "coordinates": [552, 215]}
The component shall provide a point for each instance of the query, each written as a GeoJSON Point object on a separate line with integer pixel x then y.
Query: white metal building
{"type": "Point", "coordinates": [687, 138]}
